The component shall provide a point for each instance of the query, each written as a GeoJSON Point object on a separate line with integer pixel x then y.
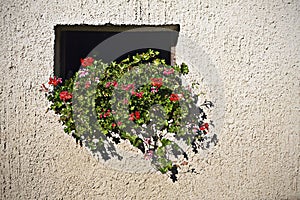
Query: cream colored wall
{"type": "Point", "coordinates": [254, 46]}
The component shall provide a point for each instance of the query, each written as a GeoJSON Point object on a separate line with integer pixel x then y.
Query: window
{"type": "Point", "coordinates": [73, 42]}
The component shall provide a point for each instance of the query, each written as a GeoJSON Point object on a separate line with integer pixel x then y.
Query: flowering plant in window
{"type": "Point", "coordinates": [142, 100]}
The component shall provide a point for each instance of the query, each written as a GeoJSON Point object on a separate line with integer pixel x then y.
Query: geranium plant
{"type": "Point", "coordinates": [140, 99]}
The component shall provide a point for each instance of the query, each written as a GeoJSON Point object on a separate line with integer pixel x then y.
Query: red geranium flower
{"type": "Point", "coordinates": [54, 81]}
{"type": "Point", "coordinates": [115, 83]}
{"type": "Point", "coordinates": [86, 61]}
{"type": "Point", "coordinates": [168, 71]}
{"type": "Point", "coordinates": [134, 116]}
{"type": "Point", "coordinates": [174, 97]}
{"type": "Point", "coordinates": [131, 116]}
{"type": "Point", "coordinates": [87, 84]}
{"type": "Point", "coordinates": [137, 115]}
{"type": "Point", "coordinates": [107, 114]}
{"type": "Point", "coordinates": [137, 94]}
{"type": "Point", "coordinates": [204, 127]}
{"type": "Point", "coordinates": [157, 82]}
{"type": "Point", "coordinates": [65, 95]}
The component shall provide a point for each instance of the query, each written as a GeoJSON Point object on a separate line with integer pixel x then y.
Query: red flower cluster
{"type": "Point", "coordinates": [106, 114]}
{"type": "Point", "coordinates": [54, 81]}
{"type": "Point", "coordinates": [168, 71]}
{"type": "Point", "coordinates": [114, 83]}
{"type": "Point", "coordinates": [87, 84]}
{"type": "Point", "coordinates": [135, 116]}
{"type": "Point", "coordinates": [137, 94]}
{"type": "Point", "coordinates": [86, 61]}
{"type": "Point", "coordinates": [114, 124]}
{"type": "Point", "coordinates": [65, 95]}
{"type": "Point", "coordinates": [204, 127]}
{"type": "Point", "coordinates": [174, 97]}
{"type": "Point", "coordinates": [157, 82]}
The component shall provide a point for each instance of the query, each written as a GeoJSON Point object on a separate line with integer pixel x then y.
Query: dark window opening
{"type": "Point", "coordinates": [73, 42]}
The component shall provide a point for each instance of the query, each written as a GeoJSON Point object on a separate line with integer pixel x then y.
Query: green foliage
{"type": "Point", "coordinates": [95, 93]}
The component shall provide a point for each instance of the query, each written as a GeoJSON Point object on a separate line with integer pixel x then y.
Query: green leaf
{"type": "Point", "coordinates": [163, 170]}
{"type": "Point", "coordinates": [156, 62]}
{"type": "Point", "coordinates": [165, 142]}
{"type": "Point", "coordinates": [160, 151]}
{"type": "Point", "coordinates": [125, 60]}
{"type": "Point", "coordinates": [136, 59]}
{"type": "Point", "coordinates": [184, 68]}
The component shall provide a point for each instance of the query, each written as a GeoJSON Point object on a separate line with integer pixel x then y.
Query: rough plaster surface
{"type": "Point", "coordinates": [254, 45]}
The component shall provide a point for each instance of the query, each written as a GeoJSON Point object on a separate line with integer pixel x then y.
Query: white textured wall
{"type": "Point", "coordinates": [254, 45]}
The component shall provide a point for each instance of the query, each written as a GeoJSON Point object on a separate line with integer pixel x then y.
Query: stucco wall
{"type": "Point", "coordinates": [254, 46]}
